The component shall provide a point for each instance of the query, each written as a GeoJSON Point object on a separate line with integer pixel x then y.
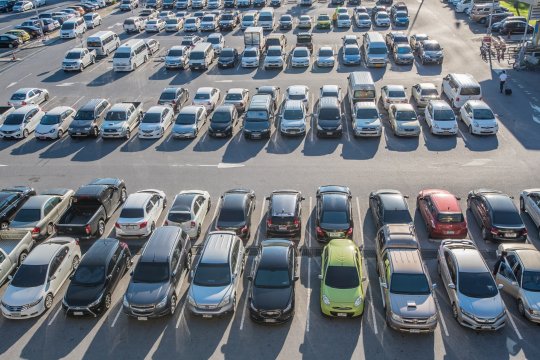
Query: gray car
{"type": "Point", "coordinates": [217, 275]}
{"type": "Point", "coordinates": [529, 202]}
{"type": "Point", "coordinates": [472, 291]}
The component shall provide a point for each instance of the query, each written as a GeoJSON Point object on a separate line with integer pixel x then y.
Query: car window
{"type": "Point", "coordinates": [49, 206]}
{"type": "Point", "coordinates": [518, 270]}
{"type": "Point", "coordinates": [511, 259]}
{"type": "Point", "coordinates": [2, 258]}
{"type": "Point", "coordinates": [175, 257]}
{"type": "Point", "coordinates": [196, 207]}
{"type": "Point", "coordinates": [155, 199]}
{"type": "Point", "coordinates": [451, 267]}
{"type": "Point", "coordinates": [149, 206]}
{"type": "Point", "coordinates": [506, 271]}
{"type": "Point", "coordinates": [112, 264]}
{"type": "Point", "coordinates": [234, 256]}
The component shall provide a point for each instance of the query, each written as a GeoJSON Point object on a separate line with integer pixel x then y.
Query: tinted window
{"type": "Point", "coordinates": [342, 277]}
{"type": "Point", "coordinates": [364, 94]}
{"type": "Point", "coordinates": [28, 215]}
{"type": "Point", "coordinates": [397, 217]}
{"type": "Point", "coordinates": [428, 92]}
{"type": "Point", "coordinates": [132, 213]}
{"type": "Point", "coordinates": [231, 215]}
{"type": "Point", "coordinates": [326, 52]}
{"type": "Point", "coordinates": [483, 114]}
{"type": "Point", "coordinates": [179, 217]}
{"type": "Point", "coordinates": [272, 278]}
{"type": "Point", "coordinates": [444, 115]}
{"type": "Point", "coordinates": [151, 272]}
{"type": "Point", "coordinates": [414, 284]}
{"type": "Point", "coordinates": [50, 119]}
{"type": "Point", "coordinates": [477, 285]}
{"type": "Point", "coordinates": [84, 115]}
{"type": "Point", "coordinates": [377, 50]}
{"type": "Point", "coordinates": [227, 53]}
{"type": "Point", "coordinates": [351, 51]}
{"type": "Point", "coordinates": [300, 53]}
{"type": "Point", "coordinates": [472, 90]}
{"type": "Point", "coordinates": [506, 218]}
{"type": "Point", "coordinates": [73, 55]}
{"type": "Point", "coordinates": [221, 117]}
{"type": "Point", "coordinates": [14, 119]}
{"type": "Point", "coordinates": [212, 275]}
{"type": "Point", "coordinates": [450, 218]}
{"type": "Point", "coordinates": [89, 275]}
{"type": "Point", "coordinates": [29, 276]}
{"type": "Point", "coordinates": [293, 114]}
{"type": "Point", "coordinates": [367, 114]}
{"type": "Point", "coordinates": [175, 53]}
{"type": "Point", "coordinates": [151, 118]}
{"type": "Point", "coordinates": [334, 217]}
{"type": "Point", "coordinates": [531, 281]}
{"type": "Point", "coordinates": [185, 119]}
{"type": "Point", "coordinates": [329, 113]}
{"type": "Point", "coordinates": [405, 115]}
{"type": "Point", "coordinates": [432, 47]}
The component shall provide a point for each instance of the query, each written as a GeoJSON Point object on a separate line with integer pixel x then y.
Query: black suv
{"type": "Point", "coordinates": [329, 118]}
{"type": "Point", "coordinates": [389, 207]}
{"type": "Point", "coordinates": [235, 211]}
{"type": "Point", "coordinates": [284, 216]}
{"type": "Point", "coordinates": [223, 120]}
{"type": "Point", "coordinates": [89, 118]}
{"type": "Point", "coordinates": [228, 20]}
{"type": "Point", "coordinates": [334, 216]}
{"type": "Point", "coordinates": [11, 200]}
{"type": "Point", "coordinates": [93, 283]}
{"type": "Point", "coordinates": [175, 97]}
{"type": "Point", "coordinates": [399, 6]}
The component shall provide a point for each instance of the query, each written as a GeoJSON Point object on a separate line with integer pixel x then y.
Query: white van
{"type": "Point", "coordinates": [130, 55]}
{"type": "Point", "coordinates": [375, 51]}
{"type": "Point", "coordinates": [461, 87]}
{"type": "Point", "coordinates": [360, 87]}
{"type": "Point", "coordinates": [72, 28]}
{"type": "Point", "coordinates": [104, 42]}
{"type": "Point", "coordinates": [266, 18]}
{"type": "Point", "coordinates": [202, 56]}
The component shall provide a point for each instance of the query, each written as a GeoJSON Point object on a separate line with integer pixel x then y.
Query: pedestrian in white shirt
{"type": "Point", "coordinates": [502, 80]}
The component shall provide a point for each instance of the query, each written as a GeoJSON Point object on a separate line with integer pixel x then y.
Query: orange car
{"type": "Point", "coordinates": [442, 214]}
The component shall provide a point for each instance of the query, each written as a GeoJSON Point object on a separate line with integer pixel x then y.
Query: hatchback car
{"type": "Point", "coordinates": [389, 207]}
{"type": "Point", "coordinates": [529, 202]}
{"type": "Point", "coordinates": [189, 121]}
{"type": "Point", "coordinates": [362, 20]}
{"type": "Point", "coordinates": [155, 122]}
{"type": "Point", "coordinates": [430, 51]}
{"type": "Point", "coordinates": [284, 215]}
{"type": "Point", "coordinates": [496, 215]}
{"type": "Point", "coordinates": [479, 118]}
{"type": "Point", "coordinates": [207, 97]}
{"type": "Point", "coordinates": [21, 122]}
{"type": "Point", "coordinates": [10, 41]}
{"type": "Point", "coordinates": [11, 200]}
{"type": "Point", "coordinates": [342, 292]}
{"type": "Point", "coordinates": [55, 123]}
{"type": "Point", "coordinates": [472, 292]}
{"type": "Point", "coordinates": [39, 278]}
{"type": "Point", "coordinates": [223, 121]}
{"type": "Point", "coordinates": [177, 57]}
{"type": "Point", "coordinates": [293, 118]}
{"type": "Point", "coordinates": [238, 97]}
{"type": "Point", "coordinates": [285, 22]}
{"type": "Point", "coordinates": [393, 94]}
{"type": "Point", "coordinates": [300, 57]}
{"type": "Point", "coordinates": [175, 97]}
{"type": "Point", "coordinates": [423, 93]}
{"type": "Point", "coordinates": [251, 57]}
{"type": "Point", "coordinates": [403, 120]}
{"type": "Point", "coordinates": [333, 213]}
{"type": "Point", "coordinates": [140, 213]}
{"type": "Point", "coordinates": [343, 21]}
{"type": "Point", "coordinates": [329, 118]}
{"type": "Point", "coordinates": [274, 276]}
{"type": "Point", "coordinates": [228, 58]}
{"type": "Point", "coordinates": [95, 279]}
{"type": "Point", "coordinates": [442, 214]}
{"type": "Point", "coordinates": [234, 214]}
{"type": "Point", "coordinates": [440, 118]}
{"type": "Point", "coordinates": [403, 54]}
{"type": "Point", "coordinates": [188, 210]}
{"type": "Point", "coordinates": [324, 21]}
{"type": "Point", "coordinates": [325, 57]}
{"type": "Point", "coordinates": [27, 96]}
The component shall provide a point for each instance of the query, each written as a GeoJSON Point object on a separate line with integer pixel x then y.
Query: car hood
{"type": "Point", "coordinates": [292, 123]}
{"type": "Point", "coordinates": [149, 126]}
{"type": "Point", "coordinates": [274, 58]}
{"type": "Point", "coordinates": [80, 123]}
{"type": "Point", "coordinates": [433, 53]}
{"type": "Point", "coordinates": [341, 295]}
{"type": "Point", "coordinates": [226, 59]}
{"type": "Point", "coordinates": [16, 296]}
{"type": "Point", "coordinates": [325, 58]}
{"type": "Point", "coordinates": [300, 58]}
{"type": "Point", "coordinates": [405, 56]}
{"type": "Point", "coordinates": [146, 293]}
{"type": "Point", "coordinates": [229, 224]}
{"type": "Point", "coordinates": [256, 125]}
{"type": "Point", "coordinates": [365, 122]}
{"type": "Point", "coordinates": [183, 128]}
{"type": "Point", "coordinates": [408, 123]}
{"type": "Point", "coordinates": [46, 128]}
{"type": "Point", "coordinates": [483, 307]}
{"type": "Point", "coordinates": [533, 298]}
{"type": "Point", "coordinates": [219, 125]}
{"type": "Point", "coordinates": [270, 299]}
{"type": "Point", "coordinates": [114, 125]}
{"type": "Point", "coordinates": [208, 295]}
{"type": "Point", "coordinates": [79, 295]}
{"type": "Point", "coordinates": [420, 305]}
{"type": "Point", "coordinates": [329, 124]}
{"type": "Point", "coordinates": [173, 58]}
{"type": "Point", "coordinates": [247, 58]}
{"type": "Point", "coordinates": [10, 127]}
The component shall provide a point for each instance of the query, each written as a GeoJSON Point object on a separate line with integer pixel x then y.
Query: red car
{"type": "Point", "coordinates": [442, 214]}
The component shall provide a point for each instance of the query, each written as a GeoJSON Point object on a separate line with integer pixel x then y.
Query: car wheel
{"type": "Point", "coordinates": [4, 225]}
{"type": "Point", "coordinates": [22, 256]}
{"type": "Point", "coordinates": [199, 231]}
{"type": "Point", "coordinates": [60, 134]}
{"type": "Point", "coordinates": [100, 228]}
{"type": "Point", "coordinates": [75, 262]}
{"type": "Point", "coordinates": [234, 304]}
{"type": "Point", "coordinates": [50, 229]}
{"type": "Point", "coordinates": [470, 130]}
{"type": "Point", "coordinates": [81, 68]}
{"type": "Point", "coordinates": [189, 257]}
{"type": "Point", "coordinates": [95, 132]}
{"type": "Point", "coordinates": [123, 195]}
{"type": "Point", "coordinates": [48, 301]}
{"type": "Point", "coordinates": [485, 234]}
{"type": "Point", "coordinates": [521, 204]}
{"type": "Point", "coordinates": [25, 133]}
{"type": "Point", "coordinates": [152, 228]}
{"type": "Point", "coordinates": [128, 263]}
{"type": "Point", "coordinates": [128, 134]}
{"type": "Point", "coordinates": [93, 60]}
{"type": "Point", "coordinates": [173, 304]}
{"type": "Point", "coordinates": [454, 311]}
{"type": "Point", "coordinates": [439, 268]}
{"type": "Point", "coordinates": [107, 302]}
{"type": "Point", "coordinates": [521, 308]}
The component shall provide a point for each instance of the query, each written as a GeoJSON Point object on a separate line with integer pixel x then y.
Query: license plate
{"type": "Point", "coordinates": [282, 227]}
{"type": "Point", "coordinates": [329, 133]}
{"type": "Point", "coordinates": [334, 234]}
{"type": "Point", "coordinates": [219, 134]}
{"type": "Point", "coordinates": [207, 316]}
{"type": "Point", "coordinates": [510, 235]}
{"type": "Point", "coordinates": [450, 232]}
{"type": "Point", "coordinates": [486, 327]}
{"type": "Point", "coordinates": [415, 331]}
{"type": "Point", "coordinates": [342, 314]}
{"type": "Point", "coordinates": [17, 314]}
{"type": "Point", "coordinates": [256, 136]}
{"type": "Point", "coordinates": [78, 133]}
{"type": "Point", "coordinates": [270, 320]}
{"type": "Point", "coordinates": [378, 65]}
{"type": "Point", "coordinates": [142, 318]}
{"type": "Point", "coordinates": [78, 313]}
{"type": "Point", "coordinates": [132, 227]}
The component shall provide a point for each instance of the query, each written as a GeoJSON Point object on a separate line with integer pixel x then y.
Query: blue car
{"type": "Point", "coordinates": [401, 18]}
{"type": "Point", "coordinates": [351, 55]}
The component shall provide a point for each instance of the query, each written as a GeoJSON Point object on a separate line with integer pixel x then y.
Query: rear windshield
{"type": "Point", "coordinates": [18, 96]}
{"type": "Point", "coordinates": [28, 215]}
{"type": "Point", "coordinates": [364, 94]}
{"type": "Point", "coordinates": [131, 213]}
{"type": "Point", "coordinates": [507, 218]}
{"type": "Point", "coordinates": [342, 277]}
{"type": "Point", "coordinates": [450, 218]}
{"type": "Point", "coordinates": [179, 217]}
{"type": "Point", "coordinates": [233, 97]}
{"type": "Point", "coordinates": [50, 119]}
{"type": "Point", "coordinates": [335, 217]}
{"type": "Point", "coordinates": [470, 90]}
{"type": "Point", "coordinates": [231, 216]}
{"type": "Point", "coordinates": [167, 95]}
{"type": "Point", "coordinates": [396, 93]}
{"type": "Point", "coordinates": [429, 92]}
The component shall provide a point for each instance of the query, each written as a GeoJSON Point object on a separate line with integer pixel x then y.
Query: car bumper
{"type": "Point", "coordinates": [132, 232]}
{"type": "Point", "coordinates": [329, 133]}
{"type": "Point", "coordinates": [323, 26]}
{"type": "Point", "coordinates": [286, 233]}
{"type": "Point", "coordinates": [145, 313]}
{"type": "Point", "coordinates": [349, 311]}
{"type": "Point", "coordinates": [448, 234]}
{"type": "Point", "coordinates": [24, 314]}
{"type": "Point", "coordinates": [270, 317]}
{"type": "Point", "coordinates": [299, 64]}
{"type": "Point", "coordinates": [368, 131]}
{"type": "Point", "coordinates": [175, 66]}
{"type": "Point", "coordinates": [273, 65]}
{"type": "Point", "coordinates": [430, 60]}
{"type": "Point", "coordinates": [411, 327]}
{"type": "Point", "coordinates": [113, 135]}
{"type": "Point", "coordinates": [404, 133]}
{"type": "Point", "coordinates": [190, 135]}
{"type": "Point", "coordinates": [74, 67]}
{"type": "Point", "coordinates": [220, 133]}
{"type": "Point", "coordinates": [444, 131]}
{"type": "Point", "coordinates": [293, 131]}
{"type": "Point", "coordinates": [476, 325]}
{"type": "Point", "coordinates": [13, 135]}
{"type": "Point", "coordinates": [45, 136]}
{"type": "Point", "coordinates": [81, 310]}
{"type": "Point", "coordinates": [407, 61]}
{"type": "Point", "coordinates": [149, 135]}
{"type": "Point", "coordinates": [225, 65]}
{"type": "Point", "coordinates": [250, 65]}
{"type": "Point", "coordinates": [484, 131]}
{"type": "Point", "coordinates": [216, 311]}
{"type": "Point", "coordinates": [325, 64]}
{"type": "Point", "coordinates": [501, 237]}
{"type": "Point", "coordinates": [257, 134]}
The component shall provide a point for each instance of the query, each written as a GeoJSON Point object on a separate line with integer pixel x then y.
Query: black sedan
{"type": "Point", "coordinates": [92, 284]}
{"type": "Point", "coordinates": [235, 212]}
{"type": "Point", "coordinates": [176, 97]}
{"type": "Point", "coordinates": [271, 299]}
{"type": "Point", "coordinates": [334, 216]}
{"type": "Point", "coordinates": [389, 207]}
{"type": "Point", "coordinates": [9, 41]}
{"type": "Point", "coordinates": [284, 216]}
{"type": "Point", "coordinates": [497, 215]}
{"type": "Point", "coordinates": [11, 200]}
{"type": "Point", "coordinates": [228, 58]}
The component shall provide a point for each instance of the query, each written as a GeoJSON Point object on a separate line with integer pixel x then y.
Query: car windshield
{"type": "Point", "coordinates": [531, 281]}
{"type": "Point", "coordinates": [201, 96]}
{"type": "Point", "coordinates": [470, 90]}
{"type": "Point", "coordinates": [172, 21]}
{"type": "Point", "coordinates": [215, 41]}
{"type": "Point", "coordinates": [265, 18]}
{"type": "Point", "coordinates": [351, 51]}
{"type": "Point", "coordinates": [285, 18]}
{"type": "Point", "coordinates": [507, 218]}
{"type": "Point", "coordinates": [429, 92]}
{"type": "Point", "coordinates": [341, 277]}
{"type": "Point", "coordinates": [343, 17]}
{"type": "Point", "coordinates": [330, 93]}
{"type": "Point", "coordinates": [403, 50]}
{"type": "Point", "coordinates": [397, 217]}
{"type": "Point", "coordinates": [151, 272]}
{"type": "Point", "coordinates": [273, 52]}
{"type": "Point", "coordinates": [207, 19]}
{"type": "Point", "coordinates": [367, 114]}
{"type": "Point", "coordinates": [84, 115]}
{"type": "Point", "coordinates": [272, 278]}
{"type": "Point", "coordinates": [256, 115]}
{"type": "Point", "coordinates": [122, 55]}
{"type": "Point", "coordinates": [377, 50]}
{"type": "Point", "coordinates": [300, 53]}
{"type": "Point", "coordinates": [28, 276]}
{"type": "Point", "coordinates": [227, 17]}
{"type": "Point", "coordinates": [323, 18]}
{"type": "Point", "coordinates": [382, 16]}
{"type": "Point", "coordinates": [115, 116]}
{"type": "Point", "coordinates": [175, 53]}
{"type": "Point", "coordinates": [28, 215]}
{"type": "Point", "coordinates": [50, 119]}
{"type": "Point", "coordinates": [227, 53]}
{"type": "Point", "coordinates": [248, 18]}
{"type": "Point", "coordinates": [449, 218]}
{"type": "Point", "coordinates": [362, 16]}
{"type": "Point", "coordinates": [329, 114]}
{"type": "Point", "coordinates": [132, 213]}
{"type": "Point", "coordinates": [296, 96]}
{"type": "Point", "coordinates": [68, 26]}
{"type": "Point", "coordinates": [483, 114]}
{"type": "Point", "coordinates": [212, 275]}
{"type": "Point", "coordinates": [221, 117]}
{"type": "Point", "coordinates": [185, 119]}
{"type": "Point", "coordinates": [18, 96]}
{"type": "Point", "coordinates": [73, 55]}
{"type": "Point", "coordinates": [250, 53]}
{"type": "Point", "coordinates": [152, 22]}
{"type": "Point", "coordinates": [198, 55]}
{"type": "Point", "coordinates": [151, 118]}
{"type": "Point", "coordinates": [432, 47]}
{"type": "Point", "coordinates": [233, 97]}
{"type": "Point", "coordinates": [14, 119]}
{"type": "Point", "coordinates": [335, 217]}
{"type": "Point", "coordinates": [326, 52]}
{"type": "Point", "coordinates": [477, 285]}
{"type": "Point", "coordinates": [167, 95]}
{"type": "Point", "coordinates": [191, 21]}
{"type": "Point", "coordinates": [444, 115]}
{"type": "Point", "coordinates": [401, 15]}
{"type": "Point", "coordinates": [289, 114]}
{"type": "Point", "coordinates": [411, 284]}
{"type": "Point", "coordinates": [89, 275]}
{"type": "Point", "coordinates": [303, 39]}
{"type": "Point", "coordinates": [88, 16]}
{"type": "Point", "coordinates": [406, 115]}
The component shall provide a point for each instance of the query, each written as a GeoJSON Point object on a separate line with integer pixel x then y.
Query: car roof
{"type": "Point", "coordinates": [335, 201]}
{"type": "Point", "coordinates": [100, 252]}
{"type": "Point", "coordinates": [304, 48]}
{"type": "Point", "coordinates": [478, 104]}
{"type": "Point", "coordinates": [406, 261]}
{"type": "Point", "coordinates": [25, 109]}
{"type": "Point", "coordinates": [427, 86]}
{"type": "Point", "coordinates": [500, 202]}
{"type": "Point", "coordinates": [274, 256]}
{"type": "Point", "coordinates": [326, 47]}
{"type": "Point", "coordinates": [293, 104]}
{"type": "Point", "coordinates": [440, 104]}
{"type": "Point", "coordinates": [445, 202]}
{"type": "Point", "coordinates": [43, 253]}
{"type": "Point", "coordinates": [297, 89]}
{"type": "Point", "coordinates": [24, 90]}
{"type": "Point", "coordinates": [284, 203]}
{"type": "Point", "coordinates": [191, 109]}
{"type": "Point", "coordinates": [469, 260]}
{"type": "Point", "coordinates": [329, 102]}
{"type": "Point", "coordinates": [238, 90]}
{"type": "Point", "coordinates": [204, 90]}
{"type": "Point", "coordinates": [273, 47]}
{"type": "Point", "coordinates": [399, 236]}
{"type": "Point", "coordinates": [530, 259]}
{"type": "Point", "coordinates": [58, 110]}
{"type": "Point", "coordinates": [430, 41]}
{"type": "Point", "coordinates": [37, 201]}
{"type": "Point", "coordinates": [341, 252]}
{"type": "Point", "coordinates": [216, 250]}
{"type": "Point", "coordinates": [137, 200]}
{"type": "Point", "coordinates": [159, 245]}
{"type": "Point", "coordinates": [395, 87]}
{"type": "Point", "coordinates": [331, 88]}
{"type": "Point", "coordinates": [365, 105]}
{"type": "Point", "coordinates": [393, 202]}
{"type": "Point", "coordinates": [234, 200]}
{"type": "Point", "coordinates": [403, 107]}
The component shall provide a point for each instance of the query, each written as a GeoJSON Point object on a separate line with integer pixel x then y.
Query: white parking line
{"type": "Point", "coordinates": [79, 99]}
{"type": "Point", "coordinates": [5, 27]}
{"type": "Point", "coordinates": [360, 227]}
{"type": "Point", "coordinates": [310, 225]}
{"type": "Point", "coordinates": [513, 323]}
{"type": "Point", "coordinates": [308, 297]}
{"type": "Point", "coordinates": [54, 316]}
{"type": "Point", "coordinates": [441, 318]}
{"type": "Point", "coordinates": [245, 306]}
{"type": "Point", "coordinates": [181, 314]}
{"type": "Point", "coordinates": [372, 307]}
{"type": "Point", "coordinates": [117, 316]}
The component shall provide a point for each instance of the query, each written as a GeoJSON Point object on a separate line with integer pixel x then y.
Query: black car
{"type": "Point", "coordinates": [275, 3]}
{"type": "Point", "coordinates": [228, 57]}
{"type": "Point", "coordinates": [396, 37]}
{"type": "Point", "coordinates": [329, 120]}
{"type": "Point", "coordinates": [389, 207]}
{"type": "Point", "coordinates": [259, 3]}
{"type": "Point", "coordinates": [497, 215]}
{"type": "Point", "coordinates": [176, 97]}
{"type": "Point", "coordinates": [271, 299]}
{"type": "Point", "coordinates": [11, 200]}
{"type": "Point", "coordinates": [9, 41]}
{"type": "Point", "coordinates": [229, 3]}
{"type": "Point", "coordinates": [228, 20]}
{"type": "Point", "coordinates": [235, 211]}
{"type": "Point", "coordinates": [93, 283]}
{"type": "Point", "coordinates": [7, 5]}
{"type": "Point", "coordinates": [334, 217]}
{"type": "Point", "coordinates": [285, 22]}
{"type": "Point", "coordinates": [223, 120]}
{"type": "Point", "coordinates": [515, 28]}
{"type": "Point", "coordinates": [399, 6]}
{"type": "Point", "coordinates": [284, 216]}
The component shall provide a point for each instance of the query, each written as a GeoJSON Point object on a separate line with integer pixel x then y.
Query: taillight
{"type": "Point", "coordinates": [244, 229]}
{"type": "Point", "coordinates": [269, 222]}
{"type": "Point", "coordinates": [36, 230]}
{"type": "Point", "coordinates": [349, 232]}
{"type": "Point", "coordinates": [319, 231]}
{"type": "Point", "coordinates": [117, 225]}
{"type": "Point", "coordinates": [494, 230]}
{"type": "Point", "coordinates": [457, 99]}
{"type": "Point", "coordinates": [388, 100]}
{"type": "Point", "coordinates": [143, 225]}
{"type": "Point", "coordinates": [166, 223]}
{"type": "Point", "coordinates": [88, 230]}
{"type": "Point", "coordinates": [524, 232]}
{"type": "Point", "coordinates": [193, 224]}
{"type": "Point", "coordinates": [23, 103]}
{"type": "Point", "coordinates": [296, 222]}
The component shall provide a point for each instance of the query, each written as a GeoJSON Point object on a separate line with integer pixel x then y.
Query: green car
{"type": "Point", "coordinates": [324, 21]}
{"type": "Point", "coordinates": [342, 294]}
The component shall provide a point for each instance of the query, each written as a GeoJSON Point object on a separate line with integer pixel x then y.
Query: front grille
{"type": "Point", "coordinates": [344, 308]}
{"type": "Point", "coordinates": [271, 313]}
{"type": "Point", "coordinates": [414, 320]}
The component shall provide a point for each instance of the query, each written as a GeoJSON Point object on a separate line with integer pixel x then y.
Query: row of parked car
{"type": "Point", "coordinates": [216, 275]}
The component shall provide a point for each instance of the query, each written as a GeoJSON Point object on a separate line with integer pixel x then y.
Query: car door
{"type": "Point", "coordinates": [176, 268]}
{"type": "Point", "coordinates": [416, 92]}
{"type": "Point", "coordinates": [50, 211]}
{"type": "Point", "coordinates": [5, 268]}
{"type": "Point", "coordinates": [449, 276]}
{"type": "Point", "coordinates": [532, 205]}
{"type": "Point", "coordinates": [428, 114]}
{"type": "Point", "coordinates": [485, 213]}
{"type": "Point", "coordinates": [31, 120]}
{"type": "Point", "coordinates": [374, 205]}
{"type": "Point", "coordinates": [446, 86]}
{"type": "Point", "coordinates": [115, 268]}
{"type": "Point", "coordinates": [517, 270]}
{"type": "Point", "coordinates": [384, 280]}
{"type": "Point", "coordinates": [506, 277]}
{"type": "Point", "coordinates": [235, 263]}
{"type": "Point", "coordinates": [466, 114]}
{"type": "Point", "coordinates": [199, 207]}
{"type": "Point", "coordinates": [57, 270]}
{"type": "Point", "coordinates": [474, 206]}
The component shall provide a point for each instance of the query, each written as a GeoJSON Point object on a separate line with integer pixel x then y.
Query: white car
{"type": "Point", "coordinates": [155, 122]}
{"type": "Point", "coordinates": [27, 96]}
{"type": "Point", "coordinates": [23, 6]}
{"type": "Point", "coordinates": [298, 92]}
{"type": "Point", "coordinates": [155, 25]}
{"type": "Point", "coordinates": [293, 118]}
{"type": "Point", "coordinates": [218, 42]}
{"type": "Point", "coordinates": [92, 20]}
{"type": "Point", "coordinates": [423, 93]}
{"type": "Point", "coordinates": [305, 22]}
{"type": "Point", "coordinates": [238, 97]}
{"type": "Point", "coordinates": [177, 57]}
{"type": "Point", "coordinates": [152, 45]}
{"type": "Point", "coordinates": [300, 57]}
{"type": "Point", "coordinates": [440, 118]}
{"type": "Point", "coordinates": [479, 118]}
{"type": "Point", "coordinates": [326, 57]}
{"type": "Point", "coordinates": [249, 19]}
{"type": "Point", "coordinates": [140, 213]}
{"type": "Point", "coordinates": [343, 21]}
{"type": "Point", "coordinates": [189, 121]}
{"type": "Point", "coordinates": [331, 91]}
{"type": "Point", "coordinates": [251, 57]}
{"type": "Point", "coordinates": [166, 14]}
{"type": "Point", "coordinates": [209, 23]}
{"type": "Point", "coordinates": [207, 97]}
{"type": "Point", "coordinates": [382, 19]}
{"type": "Point", "coordinates": [274, 58]}
{"type": "Point", "coordinates": [191, 24]}
{"type": "Point", "coordinates": [188, 210]}
{"type": "Point", "coordinates": [393, 94]}
{"type": "Point", "coordinates": [366, 119]}
{"type": "Point", "coordinates": [55, 123]}
{"type": "Point", "coordinates": [39, 278]}
{"type": "Point", "coordinates": [21, 122]}
{"type": "Point", "coordinates": [174, 24]}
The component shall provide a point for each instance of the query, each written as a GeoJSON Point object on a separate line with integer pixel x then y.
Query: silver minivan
{"type": "Point", "coordinates": [375, 52]}
{"type": "Point", "coordinates": [103, 42]}
{"type": "Point", "coordinates": [202, 56]}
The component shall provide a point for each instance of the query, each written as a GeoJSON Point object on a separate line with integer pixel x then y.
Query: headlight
{"type": "Point", "coordinates": [288, 307]}
{"type": "Point", "coordinates": [319, 128]}
{"type": "Point", "coordinates": [96, 302]}
{"type": "Point", "coordinates": [432, 318]}
{"type": "Point", "coordinates": [87, 128]}
{"type": "Point", "coordinates": [468, 314]}
{"type": "Point", "coordinates": [226, 300]}
{"type": "Point", "coordinates": [325, 300]}
{"type": "Point", "coordinates": [436, 126]}
{"type": "Point", "coordinates": [339, 127]}
{"type": "Point", "coordinates": [358, 301]}
{"type": "Point", "coordinates": [191, 301]}
{"type": "Point", "coordinates": [125, 301]}
{"type": "Point", "coordinates": [52, 131]}
{"type": "Point", "coordinates": [475, 123]}
{"type": "Point", "coordinates": [163, 302]}
{"type": "Point", "coordinates": [396, 317]}
{"type": "Point", "coordinates": [34, 303]}
{"type": "Point", "coordinates": [534, 312]}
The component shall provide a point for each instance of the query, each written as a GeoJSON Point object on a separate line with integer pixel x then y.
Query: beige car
{"type": "Point", "coordinates": [424, 92]}
{"type": "Point", "coordinates": [403, 120]}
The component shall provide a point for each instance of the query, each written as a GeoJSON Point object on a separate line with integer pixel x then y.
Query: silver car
{"type": "Point", "coordinates": [188, 211]}
{"type": "Point", "coordinates": [519, 273]}
{"type": "Point", "coordinates": [472, 291]}
{"type": "Point", "coordinates": [529, 202]}
{"type": "Point", "coordinates": [217, 275]}
{"type": "Point", "coordinates": [21, 122]}
{"type": "Point", "coordinates": [140, 213]}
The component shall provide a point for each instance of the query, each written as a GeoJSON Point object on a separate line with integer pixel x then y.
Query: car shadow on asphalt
{"type": "Point", "coordinates": [243, 149]}
{"type": "Point", "coordinates": [163, 74]}
{"type": "Point", "coordinates": [170, 144]}
{"type": "Point", "coordinates": [108, 77]}
{"type": "Point", "coordinates": [436, 142]}
{"type": "Point", "coordinates": [478, 143]}
{"type": "Point", "coordinates": [64, 147]}
{"type": "Point", "coordinates": [59, 76]}
{"type": "Point", "coordinates": [398, 143]}
{"type": "Point", "coordinates": [206, 143]}
{"type": "Point", "coordinates": [185, 77]}
{"type": "Point", "coordinates": [262, 74]}
{"type": "Point", "coordinates": [97, 150]}
{"type": "Point", "coordinates": [281, 144]}
{"type": "Point", "coordinates": [31, 146]}
{"type": "Point", "coordinates": [5, 144]}
{"type": "Point", "coordinates": [315, 146]}
{"type": "Point", "coordinates": [13, 331]}
{"type": "Point", "coordinates": [427, 70]}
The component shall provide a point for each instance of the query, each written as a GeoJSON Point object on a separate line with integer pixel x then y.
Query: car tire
{"type": "Point", "coordinates": [189, 258]}
{"type": "Point", "coordinates": [152, 228]}
{"type": "Point", "coordinates": [25, 133]}
{"type": "Point", "coordinates": [128, 134]}
{"type": "Point", "coordinates": [4, 225]}
{"type": "Point", "coordinates": [521, 308]}
{"type": "Point", "coordinates": [48, 301]}
{"type": "Point", "coordinates": [470, 130]}
{"type": "Point", "coordinates": [50, 229]}
{"type": "Point", "coordinates": [123, 195]}
{"type": "Point", "coordinates": [454, 311]}
{"type": "Point", "coordinates": [81, 68]}
{"type": "Point", "coordinates": [485, 234]}
{"type": "Point", "coordinates": [439, 268]}
{"type": "Point", "coordinates": [521, 204]}
{"type": "Point", "coordinates": [173, 304]}
{"type": "Point", "coordinates": [234, 304]}
{"type": "Point", "coordinates": [95, 132]}
{"type": "Point", "coordinates": [75, 263]}
{"type": "Point", "coordinates": [59, 134]}
{"type": "Point", "coordinates": [100, 228]}
{"type": "Point", "coordinates": [209, 206]}
{"type": "Point", "coordinates": [22, 256]}
{"type": "Point", "coordinates": [198, 231]}
{"type": "Point", "coordinates": [107, 301]}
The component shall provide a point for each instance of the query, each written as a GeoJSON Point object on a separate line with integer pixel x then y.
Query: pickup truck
{"type": "Point", "coordinates": [78, 58]}
{"type": "Point", "coordinates": [121, 119]}
{"type": "Point", "coordinates": [91, 206]}
{"type": "Point", "coordinates": [4, 112]}
{"type": "Point", "coordinates": [14, 247]}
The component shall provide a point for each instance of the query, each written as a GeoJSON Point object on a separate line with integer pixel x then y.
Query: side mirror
{"type": "Point", "coordinates": [296, 278]}
{"type": "Point", "coordinates": [514, 283]}
{"type": "Point", "coordinates": [498, 253]}
{"type": "Point", "coordinates": [174, 273]}
{"type": "Point", "coordinates": [364, 278]}
{"type": "Point", "coordinates": [320, 276]}
{"type": "Point", "coordinates": [458, 198]}
{"type": "Point", "coordinates": [71, 276]}
{"type": "Point", "coordinates": [10, 277]}
{"type": "Point", "coordinates": [302, 198]}
{"type": "Point", "coordinates": [267, 198]}
{"type": "Point", "coordinates": [433, 286]}
{"type": "Point", "coordinates": [384, 285]}
{"type": "Point", "coordinates": [500, 286]}
{"type": "Point", "coordinates": [191, 274]}
{"type": "Point", "coordinates": [452, 286]}
{"type": "Point", "coordinates": [250, 278]}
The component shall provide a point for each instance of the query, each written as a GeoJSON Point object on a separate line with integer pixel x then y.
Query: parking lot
{"type": "Point", "coordinates": [508, 161]}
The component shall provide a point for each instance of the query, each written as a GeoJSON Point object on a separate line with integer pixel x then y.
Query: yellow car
{"type": "Point", "coordinates": [338, 11]}
{"type": "Point", "coordinates": [323, 21]}
{"type": "Point", "coordinates": [21, 34]}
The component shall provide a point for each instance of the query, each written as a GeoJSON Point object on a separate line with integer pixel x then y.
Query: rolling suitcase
{"type": "Point", "coordinates": [508, 91]}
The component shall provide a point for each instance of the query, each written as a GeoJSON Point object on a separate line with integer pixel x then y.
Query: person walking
{"type": "Point", "coordinates": [503, 49]}
{"type": "Point", "coordinates": [502, 80]}
{"type": "Point", "coordinates": [499, 261]}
